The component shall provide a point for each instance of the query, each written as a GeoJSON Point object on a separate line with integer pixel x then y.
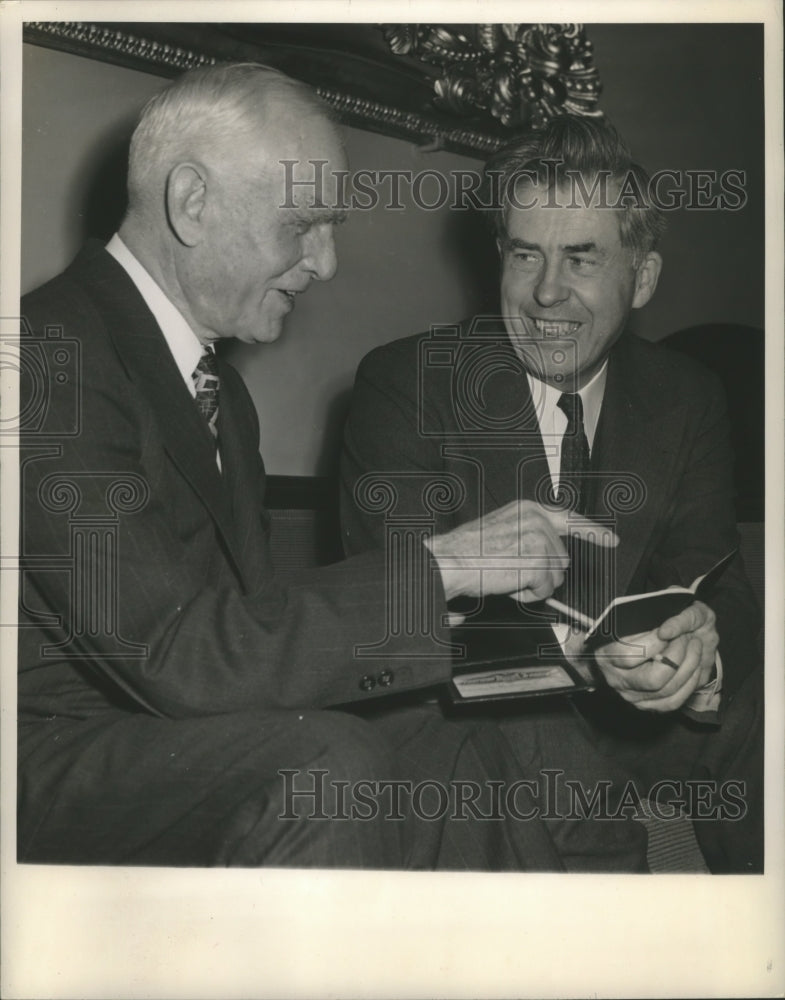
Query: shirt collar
{"type": "Point", "coordinates": [185, 346]}
{"type": "Point", "coordinates": [546, 397]}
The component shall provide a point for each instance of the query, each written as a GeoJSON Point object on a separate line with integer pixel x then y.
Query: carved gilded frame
{"type": "Point", "coordinates": [466, 88]}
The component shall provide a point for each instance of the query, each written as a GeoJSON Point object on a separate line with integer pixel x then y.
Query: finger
{"type": "Point", "coordinates": [632, 650]}
{"type": "Point", "coordinates": [526, 593]}
{"type": "Point", "coordinates": [708, 641]}
{"type": "Point", "coordinates": [567, 523]}
{"type": "Point", "coordinates": [534, 520]}
{"type": "Point", "coordinates": [545, 585]}
{"type": "Point", "coordinates": [537, 538]}
{"type": "Point", "coordinates": [672, 656]}
{"type": "Point", "coordinates": [681, 685]}
{"type": "Point", "coordinates": [622, 657]}
{"type": "Point", "coordinates": [638, 682]}
{"type": "Point", "coordinates": [650, 676]}
{"type": "Point", "coordinates": [671, 702]}
{"type": "Point", "coordinates": [677, 625]}
{"type": "Point", "coordinates": [696, 616]}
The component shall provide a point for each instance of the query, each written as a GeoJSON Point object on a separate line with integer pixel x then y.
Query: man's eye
{"type": "Point", "coordinates": [301, 227]}
{"type": "Point", "coordinates": [523, 258]}
{"type": "Point", "coordinates": [583, 263]}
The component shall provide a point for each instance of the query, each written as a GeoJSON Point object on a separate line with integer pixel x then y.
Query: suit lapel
{"type": "Point", "coordinates": [149, 363]}
{"type": "Point", "coordinates": [243, 475]}
{"type": "Point", "coordinates": [635, 445]}
{"type": "Point", "coordinates": [510, 452]}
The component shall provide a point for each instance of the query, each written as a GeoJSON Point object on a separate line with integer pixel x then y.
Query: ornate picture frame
{"type": "Point", "coordinates": [464, 88]}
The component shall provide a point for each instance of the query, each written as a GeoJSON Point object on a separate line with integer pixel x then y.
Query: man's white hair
{"type": "Point", "coordinates": [205, 109]}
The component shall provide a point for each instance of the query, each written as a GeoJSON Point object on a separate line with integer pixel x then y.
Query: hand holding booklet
{"type": "Point", "coordinates": [518, 656]}
{"type": "Point", "coordinates": [636, 613]}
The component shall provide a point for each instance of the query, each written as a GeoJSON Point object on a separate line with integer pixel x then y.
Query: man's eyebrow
{"type": "Point", "coordinates": [513, 243]}
{"type": "Point", "coordinates": [589, 247]}
{"type": "Point", "coordinates": [320, 216]}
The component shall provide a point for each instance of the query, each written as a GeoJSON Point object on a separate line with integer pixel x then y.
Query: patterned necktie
{"type": "Point", "coordinates": [207, 384]}
{"type": "Point", "coordinates": [574, 454]}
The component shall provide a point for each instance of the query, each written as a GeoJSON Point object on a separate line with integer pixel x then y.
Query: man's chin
{"type": "Point", "coordinates": [564, 379]}
{"type": "Point", "coordinates": [263, 334]}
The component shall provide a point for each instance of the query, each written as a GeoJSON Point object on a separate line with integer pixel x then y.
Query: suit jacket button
{"type": "Point", "coordinates": [386, 678]}
{"type": "Point", "coordinates": [367, 683]}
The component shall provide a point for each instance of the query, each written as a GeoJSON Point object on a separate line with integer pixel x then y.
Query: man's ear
{"type": "Point", "coordinates": [186, 194]}
{"type": "Point", "coordinates": [647, 275]}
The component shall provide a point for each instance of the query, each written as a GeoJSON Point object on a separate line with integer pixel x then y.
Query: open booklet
{"type": "Point", "coordinates": [516, 654]}
{"type": "Point", "coordinates": [638, 613]}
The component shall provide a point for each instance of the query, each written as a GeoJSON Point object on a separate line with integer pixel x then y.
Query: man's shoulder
{"type": "Point", "coordinates": [394, 352]}
{"type": "Point", "coordinates": [73, 289]}
{"type": "Point", "coordinates": [663, 369]}
{"type": "Point", "coordinates": [405, 355]}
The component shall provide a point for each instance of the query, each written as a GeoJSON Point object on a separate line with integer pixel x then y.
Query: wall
{"type": "Point", "coordinates": [399, 271]}
{"type": "Point", "coordinates": [690, 97]}
{"type": "Point", "coordinates": [684, 96]}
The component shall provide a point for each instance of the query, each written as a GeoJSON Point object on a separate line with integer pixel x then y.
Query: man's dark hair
{"type": "Point", "coordinates": [569, 147]}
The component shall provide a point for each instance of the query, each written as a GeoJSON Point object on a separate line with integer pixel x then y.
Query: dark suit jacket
{"type": "Point", "coordinates": [456, 403]}
{"type": "Point", "coordinates": [147, 580]}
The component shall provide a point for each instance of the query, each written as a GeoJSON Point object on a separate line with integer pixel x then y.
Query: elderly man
{"type": "Point", "coordinates": [553, 400]}
{"type": "Point", "coordinates": [171, 691]}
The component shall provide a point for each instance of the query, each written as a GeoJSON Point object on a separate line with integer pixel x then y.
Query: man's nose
{"type": "Point", "coordinates": [320, 257]}
{"type": "Point", "coordinates": [550, 287]}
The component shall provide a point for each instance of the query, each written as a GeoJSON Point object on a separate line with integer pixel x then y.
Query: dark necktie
{"type": "Point", "coordinates": [574, 454]}
{"type": "Point", "coordinates": [207, 384]}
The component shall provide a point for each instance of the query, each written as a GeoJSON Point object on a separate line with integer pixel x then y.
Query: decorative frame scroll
{"type": "Point", "coordinates": [466, 88]}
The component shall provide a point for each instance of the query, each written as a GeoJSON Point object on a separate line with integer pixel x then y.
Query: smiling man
{"type": "Point", "coordinates": [231, 258]}
{"type": "Point", "coordinates": [170, 687]}
{"type": "Point", "coordinates": [552, 400]}
{"type": "Point", "coordinates": [568, 285]}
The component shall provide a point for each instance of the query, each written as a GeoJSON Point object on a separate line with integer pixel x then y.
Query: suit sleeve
{"type": "Point", "coordinates": [176, 633]}
{"type": "Point", "coordinates": [392, 453]}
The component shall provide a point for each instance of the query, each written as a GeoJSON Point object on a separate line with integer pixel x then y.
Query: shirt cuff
{"type": "Point", "coordinates": [703, 705]}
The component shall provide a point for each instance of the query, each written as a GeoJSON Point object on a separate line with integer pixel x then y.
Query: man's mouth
{"type": "Point", "coordinates": [554, 327]}
{"type": "Point", "coordinates": [289, 295]}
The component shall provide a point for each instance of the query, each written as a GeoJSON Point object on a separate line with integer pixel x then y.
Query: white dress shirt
{"type": "Point", "coordinates": [553, 423]}
{"type": "Point", "coordinates": [185, 346]}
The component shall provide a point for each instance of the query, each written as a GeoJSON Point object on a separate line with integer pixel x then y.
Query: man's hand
{"type": "Point", "coordinates": [689, 640]}
{"type": "Point", "coordinates": [516, 549]}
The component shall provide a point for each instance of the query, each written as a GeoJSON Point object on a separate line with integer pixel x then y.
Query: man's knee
{"type": "Point", "coordinates": [349, 749]}
{"type": "Point", "coordinates": [325, 806]}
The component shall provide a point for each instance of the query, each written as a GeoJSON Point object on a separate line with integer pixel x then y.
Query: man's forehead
{"type": "Point", "coordinates": [290, 144]}
{"type": "Point", "coordinates": [556, 213]}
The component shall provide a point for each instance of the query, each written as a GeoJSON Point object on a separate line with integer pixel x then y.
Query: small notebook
{"type": "Point", "coordinates": [637, 613]}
